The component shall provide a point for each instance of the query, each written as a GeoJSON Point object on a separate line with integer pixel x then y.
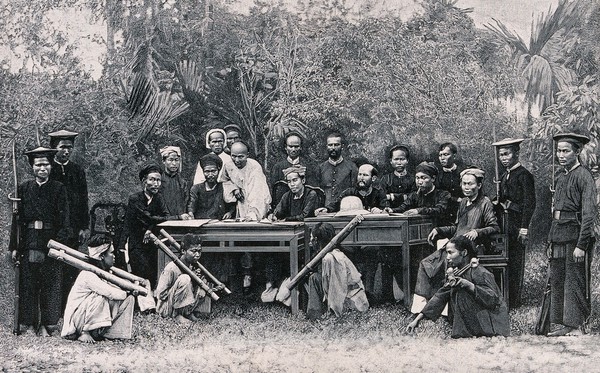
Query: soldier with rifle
{"type": "Point", "coordinates": [516, 201]}
{"type": "Point", "coordinates": [44, 215]}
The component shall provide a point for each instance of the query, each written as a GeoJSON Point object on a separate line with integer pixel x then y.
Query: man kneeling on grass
{"type": "Point", "coordinates": [476, 305]}
{"type": "Point", "coordinates": [177, 295]}
{"type": "Point", "coordinates": [95, 308]}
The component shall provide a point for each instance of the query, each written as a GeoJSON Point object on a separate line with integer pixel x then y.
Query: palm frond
{"type": "Point", "coordinates": [514, 40]}
{"type": "Point", "coordinates": [164, 109]}
{"type": "Point", "coordinates": [564, 17]}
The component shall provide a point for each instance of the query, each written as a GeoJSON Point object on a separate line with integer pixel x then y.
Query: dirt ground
{"type": "Point", "coordinates": [242, 335]}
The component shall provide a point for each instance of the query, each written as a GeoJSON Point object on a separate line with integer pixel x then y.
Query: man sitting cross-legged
{"type": "Point", "coordinates": [177, 295]}
{"type": "Point", "coordinates": [97, 309]}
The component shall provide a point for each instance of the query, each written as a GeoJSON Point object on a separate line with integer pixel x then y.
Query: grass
{"type": "Point", "coordinates": [244, 335]}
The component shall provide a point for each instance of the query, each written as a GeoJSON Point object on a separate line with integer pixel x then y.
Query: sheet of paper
{"type": "Point", "coordinates": [194, 223]}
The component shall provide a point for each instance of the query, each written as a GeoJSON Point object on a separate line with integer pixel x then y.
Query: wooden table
{"type": "Point", "coordinates": [407, 233]}
{"type": "Point", "coordinates": [240, 237]}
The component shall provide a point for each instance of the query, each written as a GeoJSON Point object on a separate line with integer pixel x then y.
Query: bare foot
{"type": "Point", "coordinates": [28, 330]}
{"type": "Point", "coordinates": [85, 337]}
{"type": "Point", "coordinates": [43, 332]}
{"type": "Point", "coordinates": [576, 332]}
{"type": "Point", "coordinates": [182, 320]}
{"type": "Point", "coordinates": [192, 317]}
{"type": "Point", "coordinates": [561, 332]}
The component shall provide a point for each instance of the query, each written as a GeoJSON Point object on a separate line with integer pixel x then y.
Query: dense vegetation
{"type": "Point", "coordinates": [174, 69]}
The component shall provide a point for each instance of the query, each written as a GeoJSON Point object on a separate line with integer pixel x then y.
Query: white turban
{"type": "Point", "coordinates": [213, 131]}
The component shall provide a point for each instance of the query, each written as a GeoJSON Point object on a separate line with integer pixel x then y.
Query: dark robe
{"type": "Point", "coordinates": [41, 277]}
{"type": "Point", "coordinates": [432, 204]}
{"type": "Point", "coordinates": [480, 216]}
{"type": "Point", "coordinates": [398, 186]}
{"type": "Point", "coordinates": [140, 217]}
{"type": "Point", "coordinates": [297, 209]}
{"type": "Point", "coordinates": [73, 178]}
{"type": "Point", "coordinates": [175, 192]}
{"type": "Point", "coordinates": [334, 179]}
{"type": "Point", "coordinates": [207, 204]}
{"type": "Point", "coordinates": [478, 314]}
{"type": "Point", "coordinates": [518, 191]}
{"type": "Point", "coordinates": [575, 198]}
{"type": "Point", "coordinates": [450, 182]}
{"type": "Point", "coordinates": [376, 198]}
{"type": "Point", "coordinates": [277, 180]}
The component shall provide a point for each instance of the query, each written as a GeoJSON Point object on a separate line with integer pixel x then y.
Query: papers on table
{"type": "Point", "coordinates": [194, 223]}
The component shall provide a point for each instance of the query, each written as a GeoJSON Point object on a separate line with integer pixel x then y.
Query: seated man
{"type": "Point", "coordinates": [399, 183]}
{"type": "Point", "coordinates": [427, 200]}
{"type": "Point", "coordinates": [296, 204]}
{"type": "Point", "coordinates": [477, 308]}
{"type": "Point", "coordinates": [337, 284]}
{"type": "Point", "coordinates": [206, 198]}
{"type": "Point", "coordinates": [476, 221]}
{"type": "Point", "coordinates": [177, 295]}
{"type": "Point", "coordinates": [97, 309]}
{"type": "Point", "coordinates": [374, 200]}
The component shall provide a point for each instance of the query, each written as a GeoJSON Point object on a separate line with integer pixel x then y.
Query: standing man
{"type": "Point", "coordinates": [174, 187]}
{"type": "Point", "coordinates": [571, 238]}
{"type": "Point", "coordinates": [72, 176]}
{"type": "Point", "coordinates": [449, 178]}
{"type": "Point", "coordinates": [233, 133]}
{"type": "Point", "coordinates": [44, 215]}
{"type": "Point", "coordinates": [292, 143]}
{"type": "Point", "coordinates": [145, 209]}
{"type": "Point", "coordinates": [245, 184]}
{"type": "Point", "coordinates": [517, 201]}
{"type": "Point", "coordinates": [215, 141]}
{"type": "Point", "coordinates": [399, 183]}
{"type": "Point", "coordinates": [336, 174]}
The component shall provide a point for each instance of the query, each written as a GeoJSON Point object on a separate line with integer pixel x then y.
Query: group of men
{"type": "Point", "coordinates": [229, 184]}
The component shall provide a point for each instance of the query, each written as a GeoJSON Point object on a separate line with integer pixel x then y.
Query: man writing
{"type": "Point", "coordinates": [571, 238]}
{"type": "Point", "coordinates": [517, 201]}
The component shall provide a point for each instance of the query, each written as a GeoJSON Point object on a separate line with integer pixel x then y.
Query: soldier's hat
{"type": "Point", "coordinates": [55, 137]}
{"type": "Point", "coordinates": [572, 137]}
{"type": "Point", "coordinates": [40, 152]}
{"type": "Point", "coordinates": [508, 142]}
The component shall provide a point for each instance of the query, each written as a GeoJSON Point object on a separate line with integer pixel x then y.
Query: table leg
{"type": "Point", "coordinates": [293, 271]}
{"type": "Point", "coordinates": [406, 272]}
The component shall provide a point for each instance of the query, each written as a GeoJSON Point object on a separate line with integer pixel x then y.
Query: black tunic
{"type": "Point", "coordinates": [73, 178]}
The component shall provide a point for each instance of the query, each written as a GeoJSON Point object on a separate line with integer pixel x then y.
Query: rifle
{"type": "Point", "coordinates": [310, 266]}
{"type": "Point", "coordinates": [15, 238]}
{"type": "Point", "coordinates": [203, 269]}
{"type": "Point", "coordinates": [187, 270]}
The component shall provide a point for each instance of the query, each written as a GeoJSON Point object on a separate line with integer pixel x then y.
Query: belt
{"type": "Point", "coordinates": [38, 225]}
{"type": "Point", "coordinates": [566, 215]}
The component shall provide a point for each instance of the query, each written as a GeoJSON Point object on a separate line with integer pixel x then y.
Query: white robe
{"type": "Point", "coordinates": [252, 182]}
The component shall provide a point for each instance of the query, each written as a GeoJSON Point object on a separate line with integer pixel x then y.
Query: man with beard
{"type": "Point", "coordinates": [399, 183]}
{"type": "Point", "coordinates": [336, 174]}
{"type": "Point", "coordinates": [72, 176]}
{"type": "Point", "coordinates": [374, 200]}
{"type": "Point", "coordinates": [215, 141]}
{"type": "Point", "coordinates": [43, 215]}
{"type": "Point", "coordinates": [145, 209]}
{"type": "Point", "coordinates": [517, 202]}
{"type": "Point", "coordinates": [292, 142]}
{"type": "Point", "coordinates": [449, 178]}
{"type": "Point", "coordinates": [174, 188]}
{"type": "Point", "coordinates": [476, 220]}
{"type": "Point", "coordinates": [206, 199]}
{"type": "Point", "coordinates": [571, 238]}
{"type": "Point", "coordinates": [245, 184]}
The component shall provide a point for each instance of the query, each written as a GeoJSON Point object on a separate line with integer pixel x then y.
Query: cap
{"type": "Point", "coordinates": [477, 172]}
{"type": "Point", "coordinates": [232, 127]}
{"type": "Point", "coordinates": [508, 142]}
{"type": "Point", "coordinates": [572, 138]}
{"type": "Point", "coordinates": [148, 169]}
{"type": "Point", "coordinates": [214, 130]}
{"type": "Point", "coordinates": [40, 152]}
{"type": "Point", "coordinates": [427, 168]}
{"type": "Point", "coordinates": [164, 152]}
{"type": "Point", "coordinates": [55, 137]}
{"type": "Point", "coordinates": [211, 159]}
{"type": "Point", "coordinates": [299, 169]}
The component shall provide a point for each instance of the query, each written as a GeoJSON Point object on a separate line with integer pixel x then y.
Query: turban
{"type": "Point", "coordinates": [164, 152]}
{"type": "Point", "coordinates": [148, 169]}
{"type": "Point", "coordinates": [427, 168]}
{"type": "Point", "coordinates": [299, 169]}
{"type": "Point", "coordinates": [211, 159]}
{"type": "Point", "coordinates": [97, 251]}
{"type": "Point", "coordinates": [477, 172]}
{"type": "Point", "coordinates": [40, 152]}
{"type": "Point", "coordinates": [215, 130]}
